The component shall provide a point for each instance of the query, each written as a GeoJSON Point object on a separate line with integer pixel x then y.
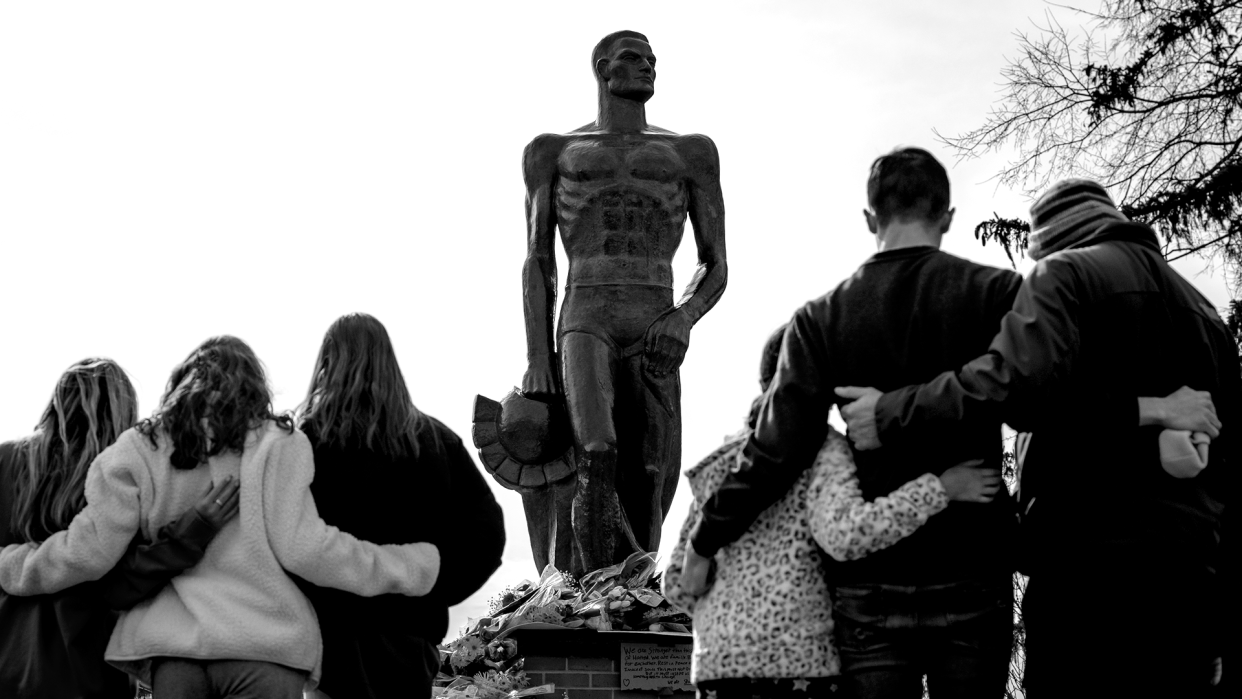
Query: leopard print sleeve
{"type": "Point", "coordinates": [847, 526]}
{"type": "Point", "coordinates": [671, 582]}
{"type": "Point", "coordinates": [704, 478]}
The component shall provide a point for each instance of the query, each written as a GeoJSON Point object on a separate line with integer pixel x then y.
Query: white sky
{"type": "Point", "coordinates": [172, 171]}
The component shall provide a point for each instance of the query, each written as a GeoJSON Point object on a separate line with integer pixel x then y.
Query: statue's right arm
{"type": "Point", "coordinates": [539, 271]}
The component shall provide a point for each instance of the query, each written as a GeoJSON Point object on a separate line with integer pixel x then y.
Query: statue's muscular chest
{"type": "Point", "coordinates": [599, 163]}
{"type": "Point", "coordinates": [635, 186]}
{"type": "Point", "coordinates": [621, 208]}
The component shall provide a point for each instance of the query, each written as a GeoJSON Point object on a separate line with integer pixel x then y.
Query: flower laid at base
{"type": "Point", "coordinates": [484, 663]}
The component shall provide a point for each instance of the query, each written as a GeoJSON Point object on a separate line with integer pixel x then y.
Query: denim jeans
{"type": "Point", "coordinates": [772, 688]}
{"type": "Point", "coordinates": [959, 634]}
{"type": "Point", "coordinates": [184, 678]}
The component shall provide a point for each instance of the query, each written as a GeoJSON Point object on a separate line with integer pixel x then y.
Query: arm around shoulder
{"type": "Point", "coordinates": [95, 539]}
{"type": "Point", "coordinates": [308, 547]}
{"type": "Point", "coordinates": [846, 525]}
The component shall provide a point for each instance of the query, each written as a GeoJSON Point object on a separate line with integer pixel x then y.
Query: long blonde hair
{"type": "Point", "coordinates": [93, 403]}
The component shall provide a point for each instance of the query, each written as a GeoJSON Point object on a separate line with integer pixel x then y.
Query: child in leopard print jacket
{"type": "Point", "coordinates": [765, 627]}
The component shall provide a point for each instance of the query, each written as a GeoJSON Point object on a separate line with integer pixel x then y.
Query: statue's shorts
{"type": "Point", "coordinates": [614, 403]}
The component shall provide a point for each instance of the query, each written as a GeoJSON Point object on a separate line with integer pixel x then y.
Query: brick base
{"type": "Point", "coordinates": [586, 664]}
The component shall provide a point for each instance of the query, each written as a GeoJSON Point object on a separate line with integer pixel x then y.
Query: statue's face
{"type": "Point", "coordinates": [629, 70]}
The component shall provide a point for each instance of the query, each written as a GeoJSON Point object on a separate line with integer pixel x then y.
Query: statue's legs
{"type": "Point", "coordinates": [648, 418]}
{"type": "Point", "coordinates": [549, 524]}
{"type": "Point", "coordinates": [589, 367]}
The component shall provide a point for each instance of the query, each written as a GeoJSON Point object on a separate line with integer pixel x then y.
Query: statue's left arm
{"type": "Point", "coordinates": [668, 338]}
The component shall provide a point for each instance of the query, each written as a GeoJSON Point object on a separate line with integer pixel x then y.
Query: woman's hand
{"type": "Point", "coordinates": [220, 503]}
{"type": "Point", "coordinates": [966, 482]}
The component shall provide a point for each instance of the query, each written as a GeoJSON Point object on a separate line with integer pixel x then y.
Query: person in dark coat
{"type": "Point", "coordinates": [1126, 594]}
{"type": "Point", "coordinates": [388, 473]}
{"type": "Point", "coordinates": [939, 602]}
{"type": "Point", "coordinates": [52, 646]}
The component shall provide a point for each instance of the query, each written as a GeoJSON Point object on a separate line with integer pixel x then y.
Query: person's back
{"type": "Point", "coordinates": [387, 473]}
{"type": "Point", "coordinates": [238, 602]}
{"type": "Point", "coordinates": [54, 644]}
{"type": "Point", "coordinates": [944, 595]}
{"type": "Point", "coordinates": [1142, 330]}
{"type": "Point", "coordinates": [236, 620]}
{"type": "Point", "coordinates": [390, 500]}
{"type": "Point", "coordinates": [59, 633]}
{"type": "Point", "coordinates": [1101, 328]}
{"type": "Point", "coordinates": [905, 316]}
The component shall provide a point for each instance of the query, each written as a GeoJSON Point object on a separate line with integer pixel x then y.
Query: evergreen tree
{"type": "Point", "coordinates": [1146, 99]}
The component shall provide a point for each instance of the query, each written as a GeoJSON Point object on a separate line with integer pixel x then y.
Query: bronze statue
{"type": "Point", "coordinates": [619, 190]}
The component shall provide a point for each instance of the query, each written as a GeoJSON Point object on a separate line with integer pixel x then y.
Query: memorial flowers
{"type": "Point", "coordinates": [484, 662]}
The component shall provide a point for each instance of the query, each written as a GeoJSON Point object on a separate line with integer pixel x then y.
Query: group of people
{"type": "Point", "coordinates": [218, 548]}
{"type": "Point", "coordinates": [1124, 386]}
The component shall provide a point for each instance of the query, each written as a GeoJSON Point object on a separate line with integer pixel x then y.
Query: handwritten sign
{"type": "Point", "coordinates": [649, 666]}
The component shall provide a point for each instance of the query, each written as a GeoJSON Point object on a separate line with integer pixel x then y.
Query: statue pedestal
{"type": "Point", "coordinates": [589, 664]}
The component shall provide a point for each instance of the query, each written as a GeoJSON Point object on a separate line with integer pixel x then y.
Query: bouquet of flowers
{"type": "Point", "coordinates": [484, 663]}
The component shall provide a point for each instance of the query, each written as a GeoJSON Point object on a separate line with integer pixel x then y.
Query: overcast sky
{"type": "Point", "coordinates": [172, 171]}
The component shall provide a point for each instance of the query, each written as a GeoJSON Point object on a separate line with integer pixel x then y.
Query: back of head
{"type": "Point", "coordinates": [214, 398]}
{"type": "Point", "coordinates": [357, 395]}
{"type": "Point", "coordinates": [93, 403]}
{"type": "Point", "coordinates": [771, 355]}
{"type": "Point", "coordinates": [767, 369]}
{"type": "Point", "coordinates": [1067, 214]}
{"type": "Point", "coordinates": [908, 184]}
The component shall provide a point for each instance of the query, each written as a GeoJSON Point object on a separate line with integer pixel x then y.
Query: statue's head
{"type": "Point", "coordinates": [625, 66]}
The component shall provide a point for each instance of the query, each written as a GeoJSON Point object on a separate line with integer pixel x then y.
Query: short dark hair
{"type": "Point", "coordinates": [606, 43]}
{"type": "Point", "coordinates": [908, 183]}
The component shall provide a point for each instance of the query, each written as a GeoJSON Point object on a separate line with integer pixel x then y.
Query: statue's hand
{"type": "Point", "coordinates": [540, 379]}
{"type": "Point", "coordinates": [667, 340]}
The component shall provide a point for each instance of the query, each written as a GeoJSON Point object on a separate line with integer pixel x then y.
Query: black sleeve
{"type": "Point", "coordinates": [1020, 380]}
{"type": "Point", "coordinates": [471, 547]}
{"type": "Point", "coordinates": [791, 427]}
{"type": "Point", "coordinates": [146, 568]}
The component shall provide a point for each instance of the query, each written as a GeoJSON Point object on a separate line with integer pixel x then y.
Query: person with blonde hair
{"type": "Point", "coordinates": [387, 472]}
{"type": "Point", "coordinates": [235, 625]}
{"type": "Point", "coordinates": [53, 645]}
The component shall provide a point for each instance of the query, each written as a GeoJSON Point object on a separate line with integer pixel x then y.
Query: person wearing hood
{"type": "Point", "coordinates": [1124, 550]}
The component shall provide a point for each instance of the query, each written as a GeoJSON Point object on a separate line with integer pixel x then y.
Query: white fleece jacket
{"type": "Point", "coordinates": [237, 603]}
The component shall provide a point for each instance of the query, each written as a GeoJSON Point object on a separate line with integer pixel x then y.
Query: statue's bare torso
{"type": "Point", "coordinates": [621, 208]}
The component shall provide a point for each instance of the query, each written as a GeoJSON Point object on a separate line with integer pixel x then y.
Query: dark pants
{"type": "Point", "coordinates": [772, 688]}
{"type": "Point", "coordinates": [1115, 633]}
{"type": "Point", "coordinates": [960, 635]}
{"type": "Point", "coordinates": [377, 665]}
{"type": "Point", "coordinates": [183, 678]}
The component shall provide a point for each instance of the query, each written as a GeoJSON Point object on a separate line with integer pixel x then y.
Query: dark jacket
{"type": "Point", "coordinates": [438, 497]}
{"type": "Point", "coordinates": [906, 315]}
{"type": "Point", "coordinates": [1093, 329]}
{"type": "Point", "coordinates": [52, 646]}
